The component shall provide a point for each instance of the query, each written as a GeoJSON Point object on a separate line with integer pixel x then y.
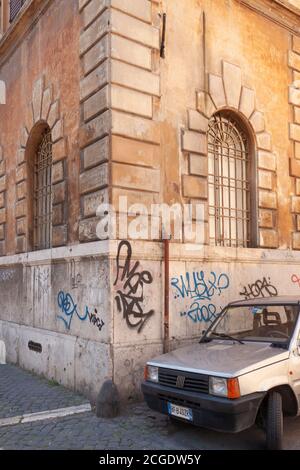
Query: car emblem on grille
{"type": "Point", "coordinates": [180, 381]}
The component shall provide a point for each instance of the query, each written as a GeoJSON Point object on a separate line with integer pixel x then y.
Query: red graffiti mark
{"type": "Point", "coordinates": [295, 279]}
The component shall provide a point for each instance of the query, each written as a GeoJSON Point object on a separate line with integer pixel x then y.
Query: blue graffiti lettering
{"type": "Point", "coordinates": [197, 287]}
{"type": "Point", "coordinates": [201, 290]}
{"type": "Point", "coordinates": [68, 308]}
{"type": "Point", "coordinates": [198, 313]}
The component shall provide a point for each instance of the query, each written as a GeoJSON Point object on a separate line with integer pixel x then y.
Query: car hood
{"type": "Point", "coordinates": [221, 358]}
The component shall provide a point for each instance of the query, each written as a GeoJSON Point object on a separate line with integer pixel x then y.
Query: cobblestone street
{"type": "Point", "coordinates": [22, 392]}
{"type": "Point", "coordinates": [136, 428]}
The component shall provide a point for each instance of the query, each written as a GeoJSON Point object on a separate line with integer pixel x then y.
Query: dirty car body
{"type": "Point", "coordinates": [222, 383]}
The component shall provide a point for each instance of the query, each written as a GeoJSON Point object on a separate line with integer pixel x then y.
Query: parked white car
{"type": "Point", "coordinates": [245, 370]}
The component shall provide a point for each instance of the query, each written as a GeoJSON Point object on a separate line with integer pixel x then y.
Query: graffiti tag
{"type": "Point", "coordinates": [43, 280]}
{"type": "Point", "coordinates": [260, 288]}
{"type": "Point", "coordinates": [195, 285]}
{"type": "Point", "coordinates": [198, 312]}
{"type": "Point", "coordinates": [295, 279]}
{"type": "Point", "coordinates": [130, 297]}
{"type": "Point", "coordinates": [76, 280]}
{"type": "Point", "coordinates": [96, 321]}
{"type": "Point", "coordinates": [69, 308]}
{"type": "Point", "coordinates": [201, 289]}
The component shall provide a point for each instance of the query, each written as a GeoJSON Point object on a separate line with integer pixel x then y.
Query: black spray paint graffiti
{"type": "Point", "coordinates": [130, 297]}
{"type": "Point", "coordinates": [96, 321]}
{"type": "Point", "coordinates": [202, 288]}
{"type": "Point", "coordinates": [69, 308]}
{"type": "Point", "coordinates": [76, 278]}
{"type": "Point", "coordinates": [260, 288]}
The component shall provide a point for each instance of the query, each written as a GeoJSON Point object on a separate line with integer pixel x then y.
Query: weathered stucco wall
{"type": "Point", "coordinates": [159, 150]}
{"type": "Point", "coordinates": [58, 300]}
{"type": "Point", "coordinates": [200, 286]}
{"type": "Point", "coordinates": [259, 48]}
{"type": "Point", "coordinates": [125, 118]}
{"type": "Point", "coordinates": [61, 302]}
{"type": "Point", "coordinates": [218, 55]}
{"type": "Point", "coordinates": [98, 317]}
{"type": "Point", "coordinates": [47, 57]}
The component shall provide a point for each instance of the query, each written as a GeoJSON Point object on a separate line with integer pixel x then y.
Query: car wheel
{"type": "Point", "coordinates": [274, 421]}
{"type": "Point", "coordinates": [261, 419]}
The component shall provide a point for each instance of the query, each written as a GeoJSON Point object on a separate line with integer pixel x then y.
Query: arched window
{"type": "Point", "coordinates": [229, 176]}
{"type": "Point", "coordinates": [42, 193]}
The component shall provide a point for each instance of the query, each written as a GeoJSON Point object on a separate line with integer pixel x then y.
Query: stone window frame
{"type": "Point", "coordinates": [243, 128]}
{"type": "Point", "coordinates": [42, 111]}
{"type": "Point", "coordinates": [35, 139]}
{"type": "Point", "coordinates": [227, 92]}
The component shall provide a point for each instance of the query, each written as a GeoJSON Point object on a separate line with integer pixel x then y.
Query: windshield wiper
{"type": "Point", "coordinates": [224, 335]}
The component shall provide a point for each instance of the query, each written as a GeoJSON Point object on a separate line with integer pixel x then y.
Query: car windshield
{"type": "Point", "coordinates": [265, 323]}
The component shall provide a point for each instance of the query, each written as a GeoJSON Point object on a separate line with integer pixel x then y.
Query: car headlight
{"type": "Point", "coordinates": [218, 386]}
{"type": "Point", "coordinates": [228, 388]}
{"type": "Point", "coordinates": [151, 373]}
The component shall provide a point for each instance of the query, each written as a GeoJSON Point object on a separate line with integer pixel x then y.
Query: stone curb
{"type": "Point", "coordinates": [43, 415]}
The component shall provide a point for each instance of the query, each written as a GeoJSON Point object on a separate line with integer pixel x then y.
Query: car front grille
{"type": "Point", "coordinates": [188, 381]}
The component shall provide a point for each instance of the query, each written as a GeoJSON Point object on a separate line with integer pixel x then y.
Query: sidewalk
{"type": "Point", "coordinates": [23, 393]}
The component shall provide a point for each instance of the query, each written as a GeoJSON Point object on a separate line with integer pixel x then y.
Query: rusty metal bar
{"type": "Point", "coordinates": [163, 36]}
{"type": "Point", "coordinates": [167, 296]}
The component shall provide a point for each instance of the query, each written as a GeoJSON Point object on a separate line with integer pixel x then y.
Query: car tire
{"type": "Point", "coordinates": [274, 421]}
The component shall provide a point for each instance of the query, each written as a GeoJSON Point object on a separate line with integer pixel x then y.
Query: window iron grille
{"type": "Point", "coordinates": [228, 183]}
{"type": "Point", "coordinates": [14, 8]}
{"type": "Point", "coordinates": [43, 193]}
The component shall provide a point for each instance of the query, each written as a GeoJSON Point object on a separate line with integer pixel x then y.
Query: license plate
{"type": "Point", "coordinates": [180, 412]}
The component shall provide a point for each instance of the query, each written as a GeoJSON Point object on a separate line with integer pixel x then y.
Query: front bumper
{"type": "Point", "coordinates": [217, 413]}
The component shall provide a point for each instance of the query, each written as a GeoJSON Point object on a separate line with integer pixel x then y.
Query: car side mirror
{"type": "Point", "coordinates": [204, 331]}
